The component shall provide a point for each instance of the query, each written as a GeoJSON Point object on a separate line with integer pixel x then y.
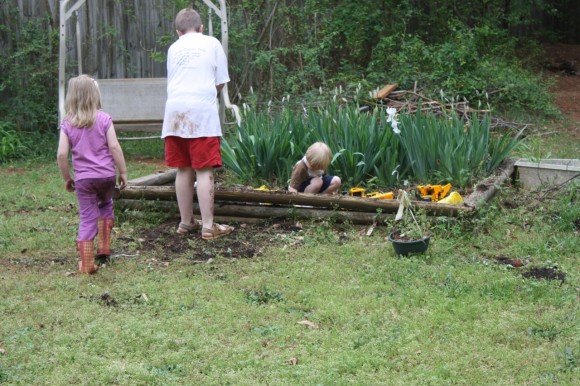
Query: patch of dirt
{"type": "Point", "coordinates": [547, 273]}
{"type": "Point", "coordinates": [13, 170]}
{"type": "Point", "coordinates": [247, 241]}
{"type": "Point", "coordinates": [564, 60]}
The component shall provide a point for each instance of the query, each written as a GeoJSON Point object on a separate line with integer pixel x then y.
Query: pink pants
{"type": "Point", "coordinates": [95, 197]}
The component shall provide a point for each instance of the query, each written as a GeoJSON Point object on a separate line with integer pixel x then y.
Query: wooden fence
{"type": "Point", "coordinates": [119, 39]}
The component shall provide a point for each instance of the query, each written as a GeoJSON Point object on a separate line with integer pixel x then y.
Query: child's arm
{"type": "Point", "coordinates": [295, 179]}
{"type": "Point", "coordinates": [117, 152]}
{"type": "Point", "coordinates": [62, 159]}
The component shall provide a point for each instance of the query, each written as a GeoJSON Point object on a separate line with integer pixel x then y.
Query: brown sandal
{"type": "Point", "coordinates": [184, 228]}
{"type": "Point", "coordinates": [216, 231]}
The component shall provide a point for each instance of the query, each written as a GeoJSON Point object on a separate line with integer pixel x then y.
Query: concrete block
{"type": "Point", "coordinates": [546, 173]}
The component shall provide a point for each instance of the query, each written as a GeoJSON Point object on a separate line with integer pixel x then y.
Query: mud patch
{"type": "Point", "coordinates": [247, 241]}
{"type": "Point", "coordinates": [546, 273]}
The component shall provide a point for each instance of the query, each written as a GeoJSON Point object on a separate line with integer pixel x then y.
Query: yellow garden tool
{"type": "Point", "coordinates": [433, 192]}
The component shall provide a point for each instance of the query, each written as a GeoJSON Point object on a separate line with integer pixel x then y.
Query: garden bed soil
{"type": "Point", "coordinates": [247, 241]}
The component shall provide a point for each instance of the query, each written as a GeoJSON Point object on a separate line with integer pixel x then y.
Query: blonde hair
{"type": "Point", "coordinates": [187, 20]}
{"type": "Point", "coordinates": [83, 100]}
{"type": "Point", "coordinates": [318, 155]}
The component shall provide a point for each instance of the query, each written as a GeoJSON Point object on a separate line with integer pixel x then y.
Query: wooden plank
{"type": "Point", "coordinates": [385, 91]}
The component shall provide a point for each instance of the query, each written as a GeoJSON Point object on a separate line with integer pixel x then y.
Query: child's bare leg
{"type": "Point", "coordinates": [184, 192]}
{"type": "Point", "coordinates": [335, 184]}
{"type": "Point", "coordinates": [205, 195]}
{"type": "Point", "coordinates": [314, 186]}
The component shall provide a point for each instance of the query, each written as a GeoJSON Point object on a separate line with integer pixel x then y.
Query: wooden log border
{"type": "Point", "coordinates": [147, 193]}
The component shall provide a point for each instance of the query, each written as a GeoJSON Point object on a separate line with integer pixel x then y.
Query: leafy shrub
{"type": "Point", "coordinates": [477, 64]}
{"type": "Point", "coordinates": [11, 143]}
{"type": "Point", "coordinates": [29, 77]}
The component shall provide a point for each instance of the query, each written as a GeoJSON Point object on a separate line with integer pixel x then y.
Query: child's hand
{"type": "Point", "coordinates": [122, 180]}
{"type": "Point", "coordinates": [69, 185]}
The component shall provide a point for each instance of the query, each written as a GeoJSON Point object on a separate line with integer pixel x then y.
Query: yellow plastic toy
{"type": "Point", "coordinates": [454, 199]}
{"type": "Point", "coordinates": [357, 192]}
{"type": "Point", "coordinates": [382, 196]}
{"type": "Point", "coordinates": [433, 193]}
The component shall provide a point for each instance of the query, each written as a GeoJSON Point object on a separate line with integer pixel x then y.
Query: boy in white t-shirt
{"type": "Point", "coordinates": [197, 71]}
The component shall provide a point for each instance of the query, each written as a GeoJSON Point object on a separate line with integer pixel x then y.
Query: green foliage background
{"type": "Point", "coordinates": [484, 52]}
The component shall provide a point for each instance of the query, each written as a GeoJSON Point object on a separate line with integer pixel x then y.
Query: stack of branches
{"type": "Point", "coordinates": [411, 101]}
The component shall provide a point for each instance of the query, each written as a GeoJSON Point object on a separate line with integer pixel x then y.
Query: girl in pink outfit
{"type": "Point", "coordinates": [89, 134]}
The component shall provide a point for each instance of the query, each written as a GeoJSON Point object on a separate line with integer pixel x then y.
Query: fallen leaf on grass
{"type": "Point", "coordinates": [293, 361]}
{"type": "Point", "coordinates": [308, 323]}
{"type": "Point", "coordinates": [2, 351]}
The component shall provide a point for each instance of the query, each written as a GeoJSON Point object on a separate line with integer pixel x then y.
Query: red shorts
{"type": "Point", "coordinates": [198, 153]}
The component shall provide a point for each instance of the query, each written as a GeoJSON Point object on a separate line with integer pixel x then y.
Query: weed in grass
{"type": "Point", "coordinates": [266, 331]}
{"type": "Point", "coordinates": [321, 233]}
{"type": "Point", "coordinates": [264, 296]}
{"type": "Point", "coordinates": [570, 359]}
{"type": "Point", "coordinates": [164, 369]}
{"type": "Point", "coordinates": [453, 287]}
{"type": "Point", "coordinates": [548, 331]}
{"type": "Point", "coordinates": [446, 227]}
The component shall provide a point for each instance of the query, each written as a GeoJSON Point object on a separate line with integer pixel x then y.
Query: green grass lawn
{"type": "Point", "coordinates": [323, 305]}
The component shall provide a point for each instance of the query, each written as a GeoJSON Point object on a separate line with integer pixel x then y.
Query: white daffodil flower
{"type": "Point", "coordinates": [395, 126]}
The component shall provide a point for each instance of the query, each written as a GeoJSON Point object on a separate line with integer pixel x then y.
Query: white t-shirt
{"type": "Point", "coordinates": [196, 63]}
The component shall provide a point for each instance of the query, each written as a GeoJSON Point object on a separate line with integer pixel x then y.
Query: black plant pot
{"type": "Point", "coordinates": [405, 248]}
